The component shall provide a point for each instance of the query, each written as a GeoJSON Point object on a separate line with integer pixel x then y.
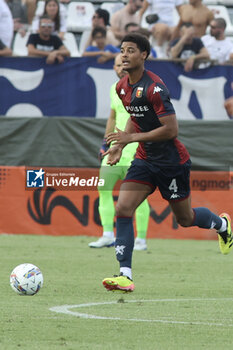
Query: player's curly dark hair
{"type": "Point", "coordinates": [140, 40]}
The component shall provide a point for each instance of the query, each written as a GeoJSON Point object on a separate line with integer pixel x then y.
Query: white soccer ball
{"type": "Point", "coordinates": [26, 279]}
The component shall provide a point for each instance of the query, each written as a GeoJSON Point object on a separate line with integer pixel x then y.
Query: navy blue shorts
{"type": "Point", "coordinates": [172, 181]}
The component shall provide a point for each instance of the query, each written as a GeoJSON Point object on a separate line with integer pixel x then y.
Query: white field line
{"type": "Point", "coordinates": [65, 309]}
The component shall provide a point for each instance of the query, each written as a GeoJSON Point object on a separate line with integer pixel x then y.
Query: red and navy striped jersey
{"type": "Point", "coordinates": [147, 101]}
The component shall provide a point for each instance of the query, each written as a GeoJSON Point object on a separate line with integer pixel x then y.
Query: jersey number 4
{"type": "Point", "coordinates": [173, 186]}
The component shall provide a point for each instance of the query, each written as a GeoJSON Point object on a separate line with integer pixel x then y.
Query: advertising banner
{"type": "Point", "coordinates": [64, 201]}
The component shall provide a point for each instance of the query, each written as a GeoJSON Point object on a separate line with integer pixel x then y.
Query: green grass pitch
{"type": "Point", "coordinates": [183, 297]}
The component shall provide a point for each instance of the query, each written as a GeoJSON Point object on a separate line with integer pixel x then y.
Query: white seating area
{"type": "Point", "coordinates": [79, 15]}
{"type": "Point", "coordinates": [19, 44]}
{"type": "Point", "coordinates": [71, 44]}
{"type": "Point", "coordinates": [79, 21]}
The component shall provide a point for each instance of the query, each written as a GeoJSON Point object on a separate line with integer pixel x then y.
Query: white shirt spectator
{"type": "Point", "coordinates": [164, 9]}
{"type": "Point", "coordinates": [218, 49]}
{"type": "Point", "coordinates": [6, 24]}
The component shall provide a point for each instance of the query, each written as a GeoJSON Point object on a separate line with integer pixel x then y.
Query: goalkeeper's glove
{"type": "Point", "coordinates": [103, 149]}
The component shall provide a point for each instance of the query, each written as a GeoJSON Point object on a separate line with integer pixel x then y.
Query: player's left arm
{"type": "Point", "coordinates": [168, 130]}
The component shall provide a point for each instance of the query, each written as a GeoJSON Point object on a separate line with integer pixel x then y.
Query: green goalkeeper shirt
{"type": "Point", "coordinates": [122, 117]}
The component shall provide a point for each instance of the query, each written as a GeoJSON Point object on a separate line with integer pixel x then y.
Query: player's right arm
{"type": "Point", "coordinates": [115, 152]}
{"type": "Point", "coordinates": [168, 130]}
{"type": "Point", "coordinates": [129, 129]}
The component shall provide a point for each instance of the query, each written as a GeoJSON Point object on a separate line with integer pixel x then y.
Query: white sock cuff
{"type": "Point", "coordinates": [127, 271]}
{"type": "Point", "coordinates": [223, 228]}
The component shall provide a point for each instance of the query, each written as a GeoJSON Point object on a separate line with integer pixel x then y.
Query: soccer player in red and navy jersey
{"type": "Point", "coordinates": [161, 159]}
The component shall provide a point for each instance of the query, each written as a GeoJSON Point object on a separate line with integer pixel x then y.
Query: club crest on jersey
{"type": "Point", "coordinates": [139, 92]}
{"type": "Point", "coordinates": [122, 92]}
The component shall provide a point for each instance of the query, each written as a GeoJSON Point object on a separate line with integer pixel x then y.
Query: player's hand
{"type": "Point", "coordinates": [103, 149]}
{"type": "Point", "coordinates": [120, 137]}
{"type": "Point", "coordinates": [114, 155]}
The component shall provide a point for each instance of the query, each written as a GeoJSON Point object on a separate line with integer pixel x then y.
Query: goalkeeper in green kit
{"type": "Point", "coordinates": [111, 174]}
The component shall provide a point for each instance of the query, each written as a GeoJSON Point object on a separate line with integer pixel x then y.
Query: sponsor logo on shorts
{"type": "Point", "coordinates": [174, 196]}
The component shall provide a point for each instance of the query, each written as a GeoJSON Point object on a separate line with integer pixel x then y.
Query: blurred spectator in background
{"type": "Point", "coordinates": [101, 19]}
{"type": "Point", "coordinates": [188, 47]}
{"type": "Point", "coordinates": [161, 12]}
{"type": "Point", "coordinates": [135, 28]}
{"type": "Point", "coordinates": [132, 27]}
{"type": "Point", "coordinates": [102, 50]}
{"type": "Point", "coordinates": [31, 9]}
{"type": "Point", "coordinates": [146, 33]}
{"type": "Point", "coordinates": [6, 24]}
{"type": "Point", "coordinates": [19, 14]}
{"type": "Point", "coordinates": [129, 13]}
{"type": "Point", "coordinates": [57, 13]}
{"type": "Point", "coordinates": [229, 106]}
{"type": "Point", "coordinates": [4, 50]}
{"type": "Point", "coordinates": [196, 13]}
{"type": "Point", "coordinates": [44, 44]}
{"type": "Point", "coordinates": [219, 47]}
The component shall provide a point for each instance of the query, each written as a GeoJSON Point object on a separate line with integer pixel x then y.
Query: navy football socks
{"type": "Point", "coordinates": [124, 241]}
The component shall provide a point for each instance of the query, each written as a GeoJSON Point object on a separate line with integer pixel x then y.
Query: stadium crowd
{"type": "Point", "coordinates": [185, 30]}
